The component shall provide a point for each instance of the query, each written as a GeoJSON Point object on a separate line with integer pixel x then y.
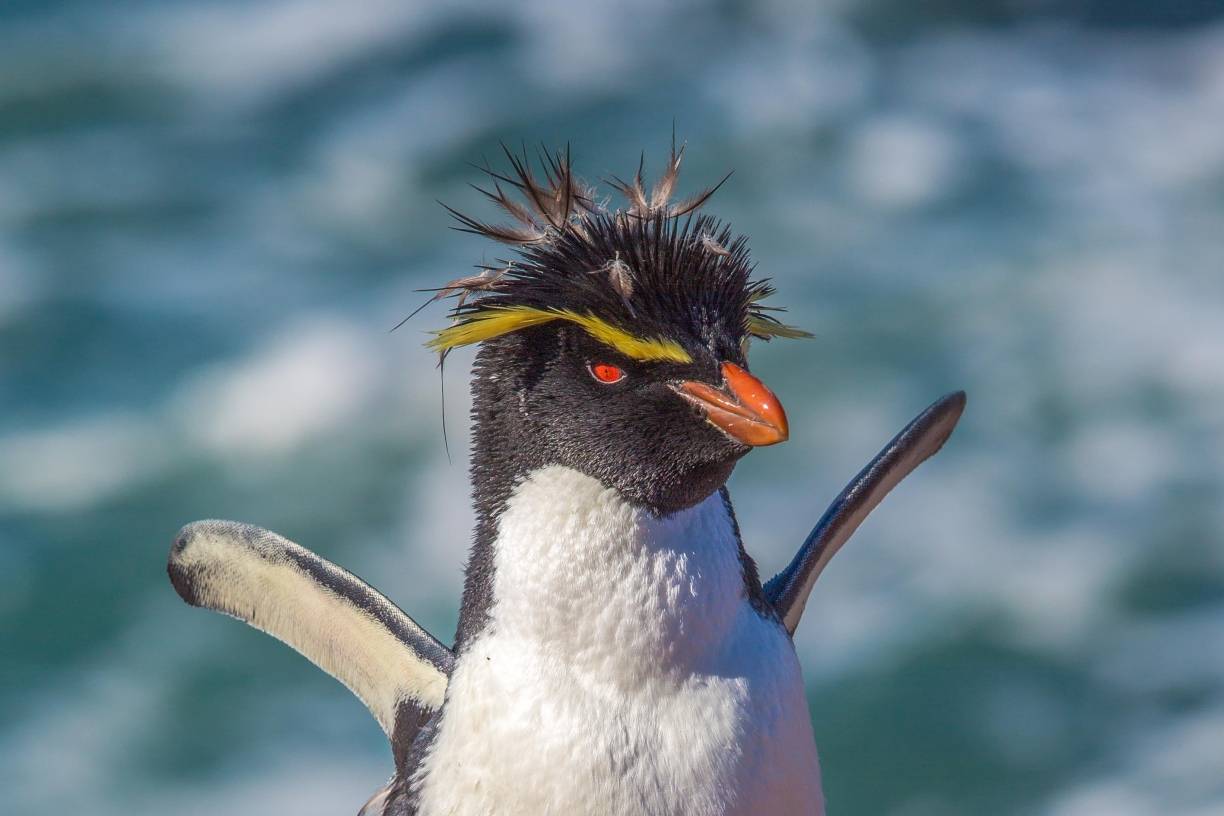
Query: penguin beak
{"type": "Point", "coordinates": [744, 409]}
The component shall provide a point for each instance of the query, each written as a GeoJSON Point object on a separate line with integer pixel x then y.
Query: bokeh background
{"type": "Point", "coordinates": [211, 214]}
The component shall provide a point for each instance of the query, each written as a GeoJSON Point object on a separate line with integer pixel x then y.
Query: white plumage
{"type": "Point", "coordinates": [623, 671]}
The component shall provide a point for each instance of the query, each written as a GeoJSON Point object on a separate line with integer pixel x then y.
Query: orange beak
{"type": "Point", "coordinates": [744, 409]}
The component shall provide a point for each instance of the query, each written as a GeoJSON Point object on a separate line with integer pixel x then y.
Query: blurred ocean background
{"type": "Point", "coordinates": [211, 214]}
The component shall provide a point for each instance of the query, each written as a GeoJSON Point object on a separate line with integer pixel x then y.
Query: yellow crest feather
{"type": "Point", "coordinates": [767, 328]}
{"type": "Point", "coordinates": [495, 321]}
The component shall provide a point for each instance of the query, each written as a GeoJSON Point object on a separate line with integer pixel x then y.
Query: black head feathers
{"type": "Point", "coordinates": [648, 279]}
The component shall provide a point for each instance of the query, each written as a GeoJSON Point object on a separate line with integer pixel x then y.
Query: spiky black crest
{"type": "Point", "coordinates": [652, 269]}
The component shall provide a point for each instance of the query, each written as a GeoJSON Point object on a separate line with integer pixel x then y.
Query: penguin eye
{"type": "Point", "coordinates": [606, 373]}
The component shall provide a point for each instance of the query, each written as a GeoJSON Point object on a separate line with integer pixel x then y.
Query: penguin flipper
{"type": "Point", "coordinates": [919, 440]}
{"type": "Point", "coordinates": [333, 618]}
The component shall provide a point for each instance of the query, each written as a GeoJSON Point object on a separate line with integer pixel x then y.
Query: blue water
{"type": "Point", "coordinates": [212, 212]}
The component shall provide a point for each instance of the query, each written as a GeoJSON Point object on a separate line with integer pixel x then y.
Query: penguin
{"type": "Point", "coordinates": [616, 652]}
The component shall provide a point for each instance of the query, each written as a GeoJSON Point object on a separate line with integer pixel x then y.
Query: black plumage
{"type": "Point", "coordinates": [652, 268]}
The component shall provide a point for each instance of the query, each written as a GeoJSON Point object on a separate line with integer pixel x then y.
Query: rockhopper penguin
{"type": "Point", "coordinates": [616, 651]}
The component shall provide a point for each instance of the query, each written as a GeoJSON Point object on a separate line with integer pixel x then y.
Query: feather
{"type": "Point", "coordinates": [633, 191]}
{"type": "Point", "coordinates": [766, 327]}
{"type": "Point", "coordinates": [712, 245]}
{"type": "Point", "coordinates": [516, 210]}
{"type": "Point", "coordinates": [498, 232]}
{"type": "Point", "coordinates": [694, 202]}
{"type": "Point", "coordinates": [485, 280]}
{"type": "Point", "coordinates": [621, 278]}
{"type": "Point", "coordinates": [662, 191]}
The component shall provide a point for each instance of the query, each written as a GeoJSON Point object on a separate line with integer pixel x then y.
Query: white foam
{"type": "Point", "coordinates": [1170, 767]}
{"type": "Point", "coordinates": [77, 464]}
{"type": "Point", "coordinates": [311, 379]}
{"type": "Point", "coordinates": [253, 51]}
{"type": "Point", "coordinates": [903, 161]}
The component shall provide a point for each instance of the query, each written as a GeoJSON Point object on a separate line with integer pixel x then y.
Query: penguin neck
{"type": "Point", "coordinates": [509, 465]}
{"type": "Point", "coordinates": [611, 589]}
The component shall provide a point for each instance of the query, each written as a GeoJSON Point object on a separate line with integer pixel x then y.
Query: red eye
{"type": "Point", "coordinates": [606, 373]}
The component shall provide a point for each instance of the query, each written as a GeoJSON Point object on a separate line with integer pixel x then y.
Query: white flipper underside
{"type": "Point", "coordinates": [334, 619]}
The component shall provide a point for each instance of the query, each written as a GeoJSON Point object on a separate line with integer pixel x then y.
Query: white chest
{"type": "Point", "coordinates": [623, 671]}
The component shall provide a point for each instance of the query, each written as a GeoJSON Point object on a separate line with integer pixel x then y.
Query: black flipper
{"type": "Point", "coordinates": [333, 618]}
{"type": "Point", "coordinates": [920, 439]}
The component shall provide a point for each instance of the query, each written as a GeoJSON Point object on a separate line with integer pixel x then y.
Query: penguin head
{"type": "Point", "coordinates": [620, 336]}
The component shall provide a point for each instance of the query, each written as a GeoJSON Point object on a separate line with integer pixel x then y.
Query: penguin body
{"type": "Point", "coordinates": [616, 651]}
{"type": "Point", "coordinates": [636, 670]}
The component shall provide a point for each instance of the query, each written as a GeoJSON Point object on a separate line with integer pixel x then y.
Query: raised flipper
{"type": "Point", "coordinates": [788, 590]}
{"type": "Point", "coordinates": [333, 618]}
